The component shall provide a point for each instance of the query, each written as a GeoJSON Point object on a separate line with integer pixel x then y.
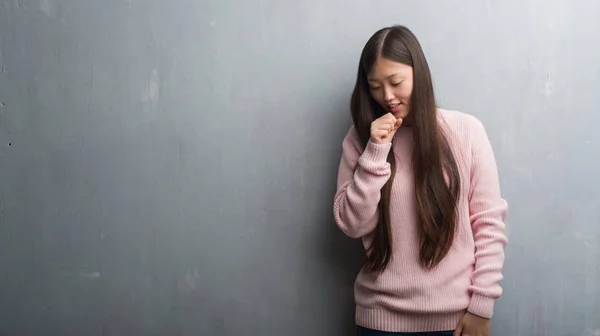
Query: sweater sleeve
{"type": "Point", "coordinates": [487, 214]}
{"type": "Point", "coordinates": [360, 179]}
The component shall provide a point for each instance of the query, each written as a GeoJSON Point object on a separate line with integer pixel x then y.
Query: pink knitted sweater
{"type": "Point", "coordinates": [406, 297]}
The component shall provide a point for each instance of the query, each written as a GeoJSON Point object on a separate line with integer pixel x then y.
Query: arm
{"type": "Point", "coordinates": [487, 213]}
{"type": "Point", "coordinates": [359, 183]}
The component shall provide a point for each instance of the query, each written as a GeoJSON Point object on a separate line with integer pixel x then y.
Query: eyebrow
{"type": "Point", "coordinates": [392, 75]}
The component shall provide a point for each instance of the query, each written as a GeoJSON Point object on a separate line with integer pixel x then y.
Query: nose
{"type": "Point", "coordinates": [388, 95]}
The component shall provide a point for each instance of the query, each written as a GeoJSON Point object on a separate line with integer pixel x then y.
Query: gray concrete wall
{"type": "Point", "coordinates": [168, 167]}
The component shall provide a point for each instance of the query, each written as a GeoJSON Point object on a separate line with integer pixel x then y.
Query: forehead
{"type": "Point", "coordinates": [385, 68]}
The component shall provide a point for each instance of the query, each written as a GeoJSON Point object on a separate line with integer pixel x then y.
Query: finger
{"type": "Point", "coordinates": [392, 122]}
{"type": "Point", "coordinates": [396, 127]}
{"type": "Point", "coordinates": [398, 122]}
{"type": "Point", "coordinates": [391, 118]}
{"type": "Point", "coordinates": [385, 119]}
{"type": "Point", "coordinates": [381, 133]}
{"type": "Point", "coordinates": [383, 127]}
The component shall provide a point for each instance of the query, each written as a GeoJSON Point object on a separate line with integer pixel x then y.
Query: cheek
{"type": "Point", "coordinates": [404, 93]}
{"type": "Point", "coordinates": [377, 96]}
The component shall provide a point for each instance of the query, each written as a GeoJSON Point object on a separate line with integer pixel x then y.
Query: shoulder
{"type": "Point", "coordinates": [459, 121]}
{"type": "Point", "coordinates": [352, 133]}
{"type": "Point", "coordinates": [462, 128]}
{"type": "Point", "coordinates": [465, 132]}
{"type": "Point", "coordinates": [352, 140]}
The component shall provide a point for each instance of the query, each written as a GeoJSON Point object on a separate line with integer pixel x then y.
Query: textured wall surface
{"type": "Point", "coordinates": [168, 167]}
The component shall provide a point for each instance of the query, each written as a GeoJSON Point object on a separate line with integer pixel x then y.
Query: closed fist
{"type": "Point", "coordinates": [384, 128]}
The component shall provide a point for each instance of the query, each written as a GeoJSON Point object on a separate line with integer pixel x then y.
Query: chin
{"type": "Point", "coordinates": [401, 114]}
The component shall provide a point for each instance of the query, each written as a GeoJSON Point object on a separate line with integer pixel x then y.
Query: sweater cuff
{"type": "Point", "coordinates": [376, 152]}
{"type": "Point", "coordinates": [481, 306]}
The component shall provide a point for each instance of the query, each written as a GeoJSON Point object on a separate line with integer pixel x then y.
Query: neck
{"type": "Point", "coordinates": [408, 121]}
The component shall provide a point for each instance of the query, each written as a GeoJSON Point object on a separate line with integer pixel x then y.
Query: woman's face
{"type": "Point", "coordinates": [391, 85]}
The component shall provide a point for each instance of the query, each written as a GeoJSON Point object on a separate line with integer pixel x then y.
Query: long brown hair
{"type": "Point", "coordinates": [436, 198]}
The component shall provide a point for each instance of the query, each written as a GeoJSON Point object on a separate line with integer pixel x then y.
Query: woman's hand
{"type": "Point", "coordinates": [384, 128]}
{"type": "Point", "coordinates": [472, 325]}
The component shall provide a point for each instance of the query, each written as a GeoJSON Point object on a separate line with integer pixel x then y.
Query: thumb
{"type": "Point", "coordinates": [399, 122]}
{"type": "Point", "coordinates": [396, 126]}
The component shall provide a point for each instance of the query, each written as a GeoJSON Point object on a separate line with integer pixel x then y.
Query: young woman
{"type": "Point", "coordinates": [419, 185]}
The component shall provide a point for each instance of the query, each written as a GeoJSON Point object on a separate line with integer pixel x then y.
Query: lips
{"type": "Point", "coordinates": [395, 108]}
